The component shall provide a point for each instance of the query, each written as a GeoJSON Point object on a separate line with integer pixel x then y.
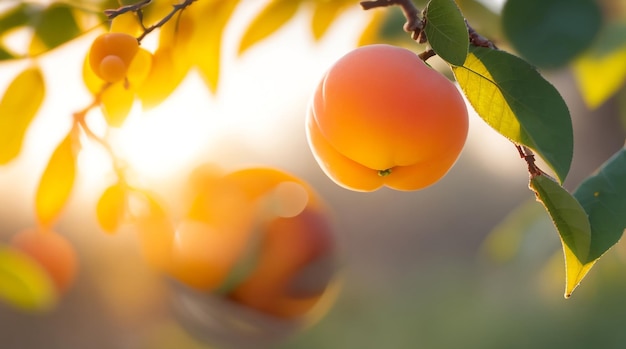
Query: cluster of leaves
{"type": "Point", "coordinates": [590, 39]}
{"type": "Point", "coordinates": [510, 95]}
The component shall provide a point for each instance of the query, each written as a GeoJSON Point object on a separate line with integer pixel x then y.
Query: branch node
{"type": "Point", "coordinates": [477, 39]}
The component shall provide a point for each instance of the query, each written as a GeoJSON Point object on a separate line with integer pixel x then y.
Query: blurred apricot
{"type": "Point", "coordinates": [382, 117]}
{"type": "Point", "coordinates": [259, 236]}
{"type": "Point", "coordinates": [53, 252]}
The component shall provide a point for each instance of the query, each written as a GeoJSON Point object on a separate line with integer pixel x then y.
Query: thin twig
{"type": "Point", "coordinates": [477, 39]}
{"type": "Point", "coordinates": [138, 9]}
{"type": "Point", "coordinates": [175, 9]}
{"type": "Point", "coordinates": [79, 121]}
{"type": "Point", "coordinates": [112, 13]}
{"type": "Point", "coordinates": [414, 24]}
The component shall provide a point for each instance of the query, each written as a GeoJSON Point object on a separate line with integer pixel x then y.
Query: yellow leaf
{"type": "Point", "coordinates": [24, 284]}
{"type": "Point", "coordinates": [575, 271]}
{"type": "Point", "coordinates": [487, 99]}
{"type": "Point", "coordinates": [56, 182]}
{"type": "Point", "coordinates": [324, 15]}
{"type": "Point", "coordinates": [207, 38]}
{"type": "Point", "coordinates": [127, 23]}
{"type": "Point", "coordinates": [163, 79]}
{"type": "Point", "coordinates": [18, 108]}
{"type": "Point", "coordinates": [271, 18]}
{"type": "Point", "coordinates": [572, 224]}
{"type": "Point", "coordinates": [111, 208]}
{"type": "Point", "coordinates": [600, 77]}
{"type": "Point", "coordinates": [139, 68]}
{"type": "Point", "coordinates": [116, 102]}
{"type": "Point", "coordinates": [370, 33]}
{"type": "Point", "coordinates": [93, 83]}
{"type": "Point", "coordinates": [177, 35]}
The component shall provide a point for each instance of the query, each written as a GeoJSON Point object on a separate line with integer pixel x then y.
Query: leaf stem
{"type": "Point", "coordinates": [427, 54]}
{"type": "Point", "coordinates": [528, 156]}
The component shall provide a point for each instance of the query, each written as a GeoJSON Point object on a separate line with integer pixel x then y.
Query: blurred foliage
{"type": "Point", "coordinates": [546, 34]}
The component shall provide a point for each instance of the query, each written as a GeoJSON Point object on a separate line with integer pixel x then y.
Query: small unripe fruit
{"type": "Point", "coordinates": [111, 54]}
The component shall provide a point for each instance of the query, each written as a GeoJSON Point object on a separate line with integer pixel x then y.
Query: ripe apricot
{"type": "Point", "coordinates": [259, 236]}
{"type": "Point", "coordinates": [53, 252]}
{"type": "Point", "coordinates": [382, 117]}
{"type": "Point", "coordinates": [111, 54]}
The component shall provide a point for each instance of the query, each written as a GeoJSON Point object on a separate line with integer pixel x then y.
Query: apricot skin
{"type": "Point", "coordinates": [382, 117]}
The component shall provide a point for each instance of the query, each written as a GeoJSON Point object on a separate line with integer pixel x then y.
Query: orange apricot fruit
{"type": "Point", "coordinates": [111, 54]}
{"type": "Point", "coordinates": [53, 252]}
{"type": "Point", "coordinates": [382, 117]}
{"type": "Point", "coordinates": [258, 236]}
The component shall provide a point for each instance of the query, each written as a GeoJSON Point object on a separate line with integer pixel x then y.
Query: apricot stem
{"type": "Point", "coordinates": [383, 173]}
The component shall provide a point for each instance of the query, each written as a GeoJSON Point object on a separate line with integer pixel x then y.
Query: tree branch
{"type": "Point", "coordinates": [414, 24]}
{"type": "Point", "coordinates": [138, 8]}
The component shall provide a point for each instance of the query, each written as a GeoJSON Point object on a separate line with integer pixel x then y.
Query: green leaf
{"type": "Point", "coordinates": [55, 27]}
{"type": "Point", "coordinates": [446, 31]}
{"type": "Point", "coordinates": [24, 284]}
{"type": "Point", "coordinates": [269, 20]}
{"type": "Point", "coordinates": [5, 54]}
{"type": "Point", "coordinates": [550, 33]}
{"type": "Point", "coordinates": [514, 99]}
{"type": "Point", "coordinates": [18, 108]}
{"type": "Point", "coordinates": [570, 220]}
{"type": "Point", "coordinates": [18, 16]}
{"type": "Point", "coordinates": [603, 196]}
